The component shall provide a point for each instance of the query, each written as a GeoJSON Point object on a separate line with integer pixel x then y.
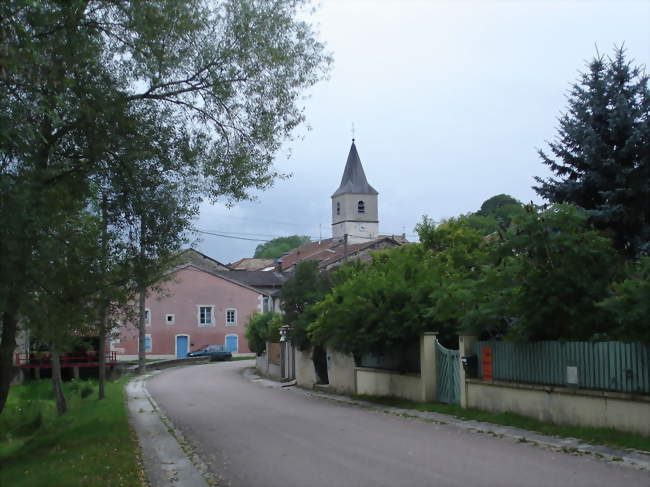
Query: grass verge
{"type": "Point", "coordinates": [91, 445]}
{"type": "Point", "coordinates": [242, 358]}
{"type": "Point", "coordinates": [600, 436]}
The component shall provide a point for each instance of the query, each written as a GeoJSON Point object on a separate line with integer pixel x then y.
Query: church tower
{"type": "Point", "coordinates": [354, 204]}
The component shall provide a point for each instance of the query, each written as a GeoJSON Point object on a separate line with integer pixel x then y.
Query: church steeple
{"type": "Point", "coordinates": [354, 179]}
{"type": "Point", "coordinates": [354, 204]}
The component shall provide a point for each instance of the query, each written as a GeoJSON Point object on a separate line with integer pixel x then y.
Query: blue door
{"type": "Point", "coordinates": [231, 343]}
{"type": "Point", "coordinates": [181, 347]}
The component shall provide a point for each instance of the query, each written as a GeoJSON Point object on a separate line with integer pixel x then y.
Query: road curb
{"type": "Point", "coordinates": [165, 462]}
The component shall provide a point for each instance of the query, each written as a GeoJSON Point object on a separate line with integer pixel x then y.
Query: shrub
{"type": "Point", "coordinates": [261, 328]}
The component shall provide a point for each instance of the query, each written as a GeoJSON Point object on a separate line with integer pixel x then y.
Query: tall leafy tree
{"type": "Point", "coordinates": [601, 155]}
{"type": "Point", "coordinates": [91, 88]}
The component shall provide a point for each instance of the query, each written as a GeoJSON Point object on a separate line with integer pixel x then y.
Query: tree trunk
{"type": "Point", "coordinates": [141, 310]}
{"type": "Point", "coordinates": [102, 354]}
{"type": "Point", "coordinates": [57, 383]}
{"type": "Point", "coordinates": [7, 350]}
{"type": "Point", "coordinates": [141, 328]}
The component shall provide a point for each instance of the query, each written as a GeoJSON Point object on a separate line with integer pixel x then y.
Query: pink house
{"type": "Point", "coordinates": [201, 304]}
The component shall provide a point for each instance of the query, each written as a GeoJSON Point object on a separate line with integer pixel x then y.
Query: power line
{"type": "Point", "coordinates": [230, 236]}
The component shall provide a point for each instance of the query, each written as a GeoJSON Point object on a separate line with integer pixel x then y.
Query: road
{"type": "Point", "coordinates": [256, 436]}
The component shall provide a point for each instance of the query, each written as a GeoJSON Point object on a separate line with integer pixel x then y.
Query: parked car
{"type": "Point", "coordinates": [215, 352]}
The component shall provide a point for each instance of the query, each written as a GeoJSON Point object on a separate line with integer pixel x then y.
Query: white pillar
{"type": "Point", "coordinates": [428, 366]}
{"type": "Point", "coordinates": [466, 346]}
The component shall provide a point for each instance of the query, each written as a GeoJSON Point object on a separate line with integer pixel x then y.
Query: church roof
{"type": "Point", "coordinates": [354, 179]}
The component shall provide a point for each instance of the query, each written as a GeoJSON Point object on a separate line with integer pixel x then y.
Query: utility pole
{"type": "Point", "coordinates": [345, 247]}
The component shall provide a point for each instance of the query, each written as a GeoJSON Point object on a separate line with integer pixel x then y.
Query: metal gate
{"type": "Point", "coordinates": [448, 369]}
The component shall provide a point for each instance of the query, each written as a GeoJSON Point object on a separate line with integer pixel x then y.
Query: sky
{"type": "Point", "coordinates": [450, 101]}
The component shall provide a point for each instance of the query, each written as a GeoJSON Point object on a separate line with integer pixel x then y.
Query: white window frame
{"type": "Point", "coordinates": [234, 310]}
{"type": "Point", "coordinates": [198, 315]}
{"type": "Point", "coordinates": [147, 317]}
{"type": "Point", "coordinates": [266, 300]}
{"type": "Point", "coordinates": [172, 321]}
{"type": "Point", "coordinates": [148, 335]}
{"type": "Point", "coordinates": [225, 341]}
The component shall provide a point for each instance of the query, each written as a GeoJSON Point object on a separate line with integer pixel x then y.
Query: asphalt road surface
{"type": "Point", "coordinates": [256, 436]}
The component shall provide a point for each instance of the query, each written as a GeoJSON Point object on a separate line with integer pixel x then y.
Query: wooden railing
{"type": "Point", "coordinates": [42, 360]}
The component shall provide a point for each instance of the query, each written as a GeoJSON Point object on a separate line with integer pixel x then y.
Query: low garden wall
{"type": "Point", "coordinates": [267, 368]}
{"type": "Point", "coordinates": [563, 405]}
{"type": "Point", "coordinates": [379, 382]}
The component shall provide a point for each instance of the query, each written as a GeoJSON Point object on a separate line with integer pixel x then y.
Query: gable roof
{"type": "Point", "coordinates": [222, 275]}
{"type": "Point", "coordinates": [200, 260]}
{"type": "Point", "coordinates": [257, 279]}
{"type": "Point", "coordinates": [354, 179]}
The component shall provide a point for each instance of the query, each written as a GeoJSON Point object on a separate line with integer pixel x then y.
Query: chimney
{"type": "Point", "coordinates": [278, 265]}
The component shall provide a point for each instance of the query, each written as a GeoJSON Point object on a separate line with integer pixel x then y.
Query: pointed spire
{"type": "Point", "coordinates": [354, 179]}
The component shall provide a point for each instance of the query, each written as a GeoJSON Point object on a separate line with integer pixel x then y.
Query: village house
{"type": "Point", "coordinates": [202, 302]}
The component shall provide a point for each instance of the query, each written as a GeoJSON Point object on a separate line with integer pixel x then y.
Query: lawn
{"type": "Point", "coordinates": [601, 436]}
{"type": "Point", "coordinates": [91, 445]}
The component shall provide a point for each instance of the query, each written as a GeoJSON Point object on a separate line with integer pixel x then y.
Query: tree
{"type": "Point", "coordinates": [306, 287]}
{"type": "Point", "coordinates": [542, 279]}
{"type": "Point", "coordinates": [279, 246]}
{"type": "Point", "coordinates": [491, 205]}
{"type": "Point", "coordinates": [89, 86]}
{"type": "Point", "coordinates": [497, 212]}
{"type": "Point", "coordinates": [628, 306]}
{"type": "Point", "coordinates": [601, 155]}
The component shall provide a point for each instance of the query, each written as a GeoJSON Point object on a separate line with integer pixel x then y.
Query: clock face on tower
{"type": "Point", "coordinates": [362, 228]}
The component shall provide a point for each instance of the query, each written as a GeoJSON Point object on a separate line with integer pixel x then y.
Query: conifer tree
{"type": "Point", "coordinates": [601, 155]}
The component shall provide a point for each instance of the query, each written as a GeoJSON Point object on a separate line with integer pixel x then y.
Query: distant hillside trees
{"type": "Point", "coordinates": [279, 246]}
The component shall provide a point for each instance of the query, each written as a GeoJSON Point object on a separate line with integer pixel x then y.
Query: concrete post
{"type": "Point", "coordinates": [466, 346]}
{"type": "Point", "coordinates": [37, 373]}
{"type": "Point", "coordinates": [75, 373]}
{"type": "Point", "coordinates": [428, 366]}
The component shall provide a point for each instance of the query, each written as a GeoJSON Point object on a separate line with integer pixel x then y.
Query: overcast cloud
{"type": "Point", "coordinates": [449, 100]}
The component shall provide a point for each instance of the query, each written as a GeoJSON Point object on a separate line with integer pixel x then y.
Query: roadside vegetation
{"type": "Point", "coordinates": [92, 445]}
{"type": "Point", "coordinates": [599, 436]}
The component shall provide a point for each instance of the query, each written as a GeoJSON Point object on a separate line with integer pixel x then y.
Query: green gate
{"type": "Point", "coordinates": [448, 370]}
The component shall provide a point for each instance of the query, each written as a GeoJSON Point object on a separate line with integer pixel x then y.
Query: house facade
{"type": "Point", "coordinates": [196, 306]}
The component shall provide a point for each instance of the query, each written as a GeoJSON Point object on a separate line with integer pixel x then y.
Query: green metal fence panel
{"type": "Point", "coordinates": [610, 366]}
{"type": "Point", "coordinates": [448, 375]}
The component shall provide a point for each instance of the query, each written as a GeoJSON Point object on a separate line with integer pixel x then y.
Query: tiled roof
{"type": "Point", "coordinates": [330, 251]}
{"type": "Point", "coordinates": [251, 264]}
{"type": "Point", "coordinates": [256, 278]}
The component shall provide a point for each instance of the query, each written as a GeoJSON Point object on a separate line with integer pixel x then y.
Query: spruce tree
{"type": "Point", "coordinates": [600, 156]}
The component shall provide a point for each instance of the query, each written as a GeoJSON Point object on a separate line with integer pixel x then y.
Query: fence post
{"type": "Point", "coordinates": [466, 346]}
{"type": "Point", "coordinates": [428, 366]}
